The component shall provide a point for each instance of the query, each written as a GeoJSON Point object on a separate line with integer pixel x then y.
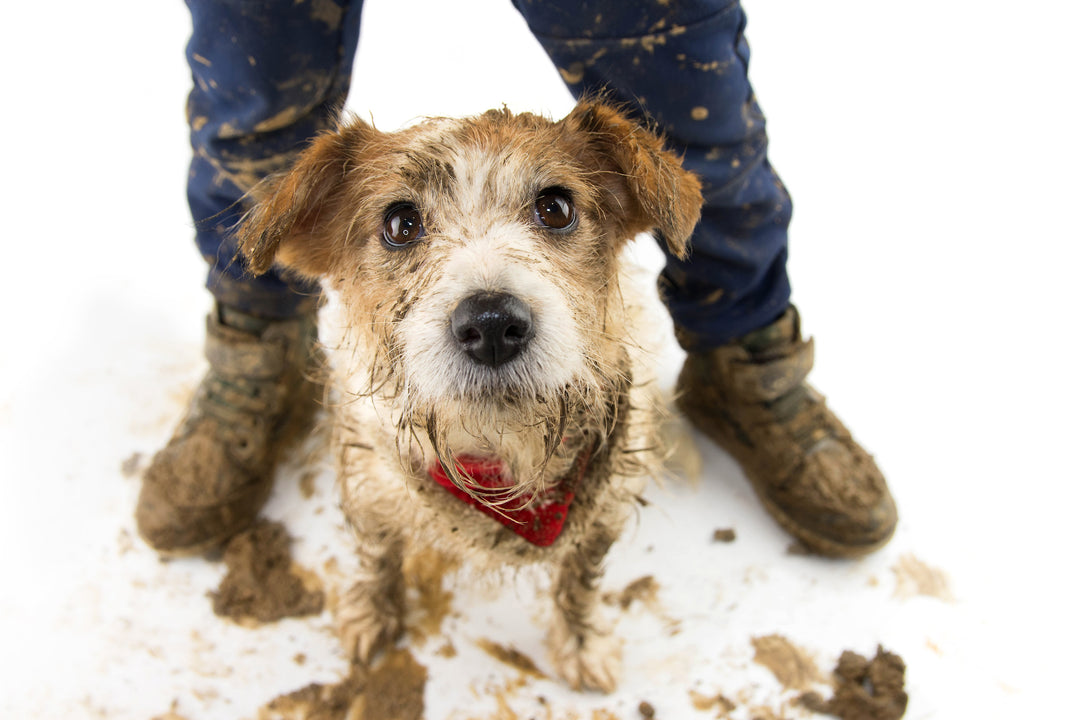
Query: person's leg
{"type": "Point", "coordinates": [683, 63]}
{"type": "Point", "coordinates": [268, 75]}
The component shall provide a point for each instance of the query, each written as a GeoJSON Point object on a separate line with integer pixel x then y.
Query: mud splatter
{"type": "Point", "coordinates": [648, 43]}
{"type": "Point", "coordinates": [512, 657]}
{"type": "Point", "coordinates": [765, 713]}
{"type": "Point", "coordinates": [914, 577]}
{"type": "Point", "coordinates": [262, 584]}
{"type": "Point", "coordinates": [170, 715]}
{"type": "Point", "coordinates": [245, 173]}
{"type": "Point", "coordinates": [725, 535]}
{"type": "Point", "coordinates": [124, 543]}
{"type": "Point", "coordinates": [328, 12]}
{"type": "Point", "coordinates": [791, 665]}
{"type": "Point", "coordinates": [717, 702]}
{"type": "Point", "coordinates": [132, 465]}
{"type": "Point", "coordinates": [510, 690]}
{"type": "Point", "coordinates": [283, 119]}
{"type": "Point", "coordinates": [393, 690]}
{"type": "Point", "coordinates": [317, 701]}
{"type": "Point", "coordinates": [642, 590]}
{"type": "Point", "coordinates": [573, 74]}
{"type": "Point", "coordinates": [429, 603]}
{"type": "Point", "coordinates": [307, 484]}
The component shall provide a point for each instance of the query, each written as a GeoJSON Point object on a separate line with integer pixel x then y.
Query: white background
{"type": "Point", "coordinates": [931, 151]}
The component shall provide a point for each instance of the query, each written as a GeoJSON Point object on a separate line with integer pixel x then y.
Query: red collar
{"type": "Point", "coordinates": [541, 522]}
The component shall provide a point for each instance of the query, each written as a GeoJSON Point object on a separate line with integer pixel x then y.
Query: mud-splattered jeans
{"type": "Point", "coordinates": [268, 74]}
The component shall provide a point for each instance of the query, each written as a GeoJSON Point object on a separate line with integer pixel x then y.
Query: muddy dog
{"type": "Point", "coordinates": [482, 352]}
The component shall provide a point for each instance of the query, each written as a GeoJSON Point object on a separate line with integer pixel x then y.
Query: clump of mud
{"type": "Point", "coordinates": [393, 690]}
{"type": "Point", "coordinates": [261, 584]}
{"type": "Point", "coordinates": [865, 689]}
{"type": "Point", "coordinates": [724, 535]}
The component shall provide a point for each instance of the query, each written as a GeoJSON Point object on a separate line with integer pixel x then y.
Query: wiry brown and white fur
{"type": "Point", "coordinates": [409, 397]}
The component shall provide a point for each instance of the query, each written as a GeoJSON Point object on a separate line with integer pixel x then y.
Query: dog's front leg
{"type": "Point", "coordinates": [371, 613]}
{"type": "Point", "coordinates": [584, 651]}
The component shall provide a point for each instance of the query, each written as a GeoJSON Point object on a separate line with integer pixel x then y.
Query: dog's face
{"type": "Point", "coordinates": [476, 260]}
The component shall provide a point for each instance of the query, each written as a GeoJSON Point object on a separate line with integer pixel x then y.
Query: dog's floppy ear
{"type": "Point", "coordinates": [288, 222]}
{"type": "Point", "coordinates": [651, 188]}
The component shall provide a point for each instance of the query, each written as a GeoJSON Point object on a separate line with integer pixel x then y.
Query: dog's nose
{"type": "Point", "coordinates": [492, 327]}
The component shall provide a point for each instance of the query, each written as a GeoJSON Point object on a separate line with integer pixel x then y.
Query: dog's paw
{"type": "Point", "coordinates": [590, 660]}
{"type": "Point", "coordinates": [367, 622]}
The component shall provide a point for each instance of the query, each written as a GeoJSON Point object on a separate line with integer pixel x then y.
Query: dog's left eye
{"type": "Point", "coordinates": [403, 226]}
{"type": "Point", "coordinates": [555, 210]}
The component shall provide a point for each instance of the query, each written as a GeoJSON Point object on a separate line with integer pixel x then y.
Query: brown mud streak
{"type": "Point", "coordinates": [643, 589]}
{"type": "Point", "coordinates": [914, 577]}
{"type": "Point", "coordinates": [717, 702]}
{"type": "Point", "coordinates": [791, 665]}
{"type": "Point", "coordinates": [429, 601]}
{"type": "Point", "coordinates": [509, 656]}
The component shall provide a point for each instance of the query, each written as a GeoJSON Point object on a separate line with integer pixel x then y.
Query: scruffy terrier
{"type": "Point", "coordinates": [482, 353]}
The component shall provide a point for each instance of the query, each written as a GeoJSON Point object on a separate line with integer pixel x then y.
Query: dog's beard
{"type": "Point", "coordinates": [536, 433]}
{"type": "Point", "coordinates": [539, 436]}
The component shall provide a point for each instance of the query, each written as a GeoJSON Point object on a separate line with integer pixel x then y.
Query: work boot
{"type": "Point", "coordinates": [216, 472]}
{"type": "Point", "coordinates": [750, 396]}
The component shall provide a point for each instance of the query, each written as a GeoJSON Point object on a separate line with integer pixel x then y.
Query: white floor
{"type": "Point", "coordinates": [932, 157]}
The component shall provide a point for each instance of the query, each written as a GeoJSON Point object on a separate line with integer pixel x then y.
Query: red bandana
{"type": "Point", "coordinates": [541, 522]}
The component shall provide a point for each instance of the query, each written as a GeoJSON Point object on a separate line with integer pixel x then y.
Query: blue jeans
{"type": "Point", "coordinates": [269, 74]}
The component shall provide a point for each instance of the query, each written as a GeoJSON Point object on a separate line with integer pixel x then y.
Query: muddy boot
{"type": "Point", "coordinates": [751, 398]}
{"type": "Point", "coordinates": [216, 472]}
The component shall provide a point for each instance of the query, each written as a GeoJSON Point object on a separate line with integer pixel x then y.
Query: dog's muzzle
{"type": "Point", "coordinates": [492, 328]}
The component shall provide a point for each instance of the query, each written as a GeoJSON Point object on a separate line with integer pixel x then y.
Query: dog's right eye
{"type": "Point", "coordinates": [555, 211]}
{"type": "Point", "coordinates": [403, 226]}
